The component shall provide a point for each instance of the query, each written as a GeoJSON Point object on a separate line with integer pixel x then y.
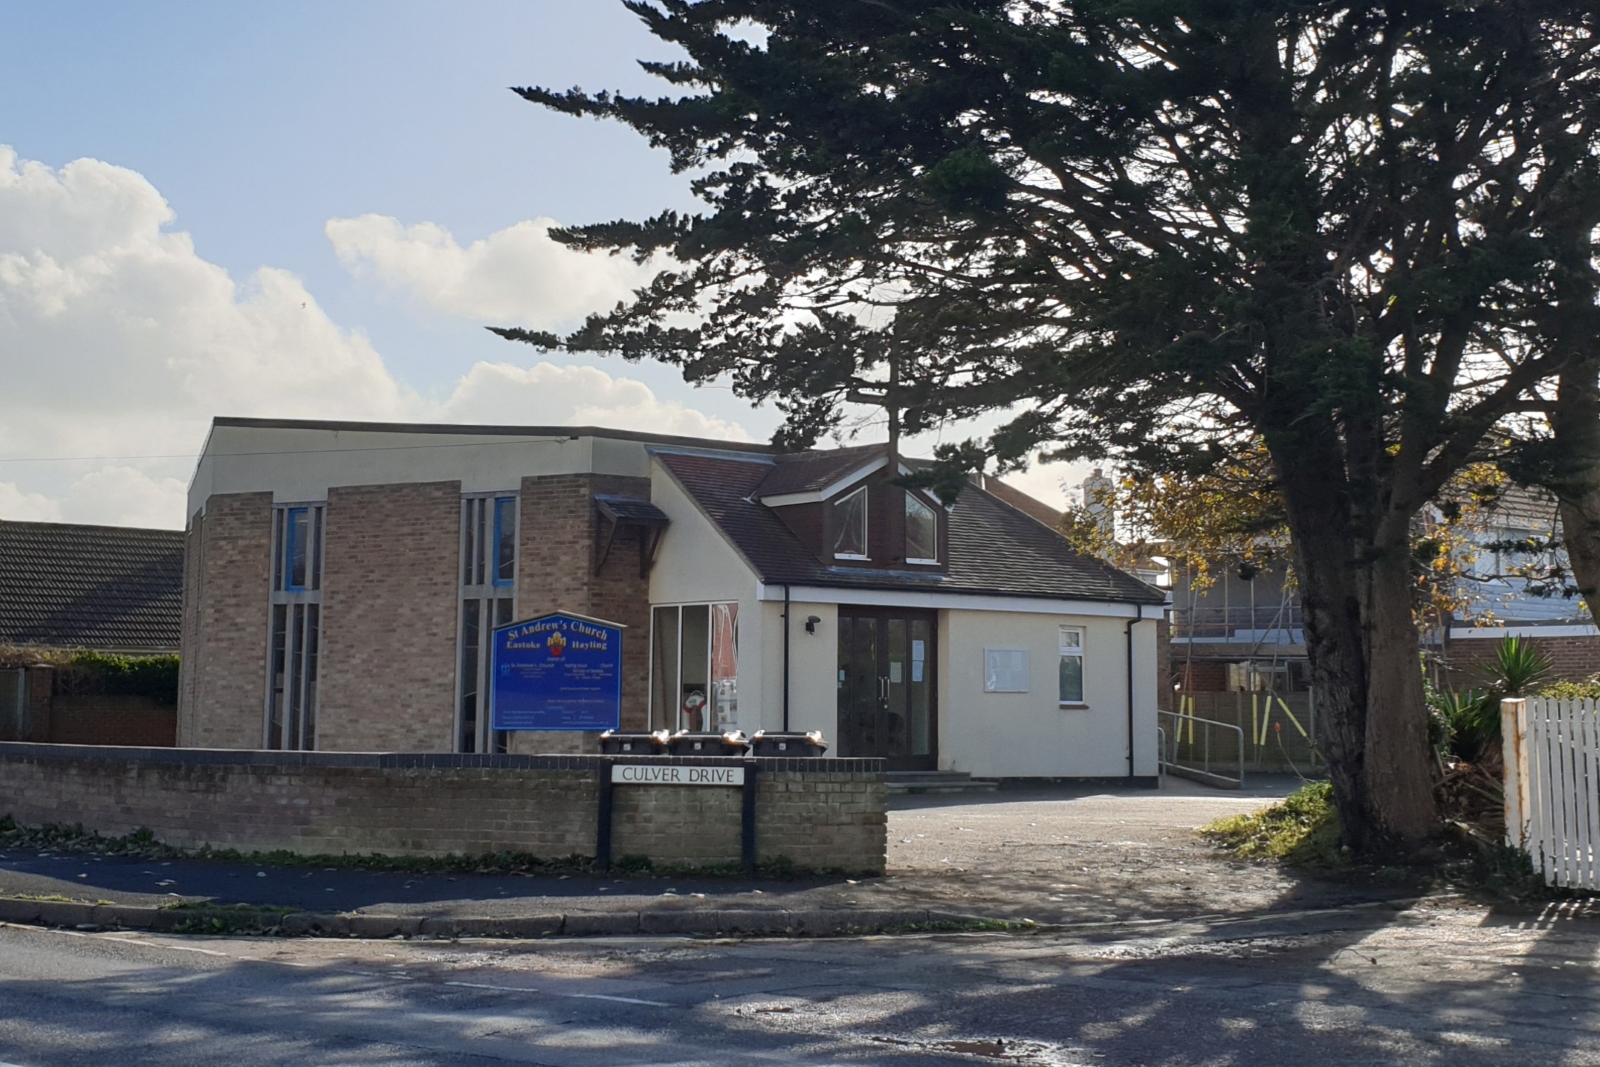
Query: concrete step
{"type": "Point", "coordinates": [938, 782]}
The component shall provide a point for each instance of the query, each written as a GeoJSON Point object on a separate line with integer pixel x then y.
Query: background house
{"type": "Point", "coordinates": [1517, 542]}
{"type": "Point", "coordinates": [70, 589]}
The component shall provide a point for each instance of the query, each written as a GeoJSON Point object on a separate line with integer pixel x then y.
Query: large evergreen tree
{"type": "Point", "coordinates": [1155, 229]}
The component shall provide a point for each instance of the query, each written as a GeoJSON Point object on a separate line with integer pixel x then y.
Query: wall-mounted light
{"type": "Point", "coordinates": [811, 623]}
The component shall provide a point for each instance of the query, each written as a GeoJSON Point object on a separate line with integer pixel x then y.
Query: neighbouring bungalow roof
{"type": "Point", "coordinates": [994, 548]}
{"type": "Point", "coordinates": [112, 588]}
{"type": "Point", "coordinates": [1524, 508]}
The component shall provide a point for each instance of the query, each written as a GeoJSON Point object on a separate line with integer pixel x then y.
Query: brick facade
{"type": "Point", "coordinates": [559, 528]}
{"type": "Point", "coordinates": [222, 677]}
{"type": "Point", "coordinates": [1572, 658]}
{"type": "Point", "coordinates": [390, 604]}
{"type": "Point", "coordinates": [821, 814]}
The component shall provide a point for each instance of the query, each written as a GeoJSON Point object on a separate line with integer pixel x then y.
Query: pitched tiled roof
{"type": "Point", "coordinates": [102, 587]}
{"type": "Point", "coordinates": [994, 548]}
{"type": "Point", "coordinates": [801, 472]}
{"type": "Point", "coordinates": [1523, 508]}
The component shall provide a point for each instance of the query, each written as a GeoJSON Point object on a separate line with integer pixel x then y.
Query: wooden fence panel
{"type": "Point", "coordinates": [1552, 750]}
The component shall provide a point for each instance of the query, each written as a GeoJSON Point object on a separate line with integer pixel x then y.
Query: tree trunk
{"type": "Point", "coordinates": [1356, 596]}
{"type": "Point", "coordinates": [1576, 478]}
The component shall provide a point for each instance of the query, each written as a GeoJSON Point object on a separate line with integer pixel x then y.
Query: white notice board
{"type": "Point", "coordinates": [1005, 670]}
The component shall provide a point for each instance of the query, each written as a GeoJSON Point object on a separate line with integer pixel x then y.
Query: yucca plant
{"type": "Point", "coordinates": [1517, 667]}
{"type": "Point", "coordinates": [1469, 722]}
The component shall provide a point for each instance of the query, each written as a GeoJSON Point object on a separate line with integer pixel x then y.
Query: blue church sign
{"type": "Point", "coordinates": [556, 672]}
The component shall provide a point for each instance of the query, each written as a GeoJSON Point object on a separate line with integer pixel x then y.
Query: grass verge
{"type": "Point", "coordinates": [227, 918]}
{"type": "Point", "coordinates": [1302, 830]}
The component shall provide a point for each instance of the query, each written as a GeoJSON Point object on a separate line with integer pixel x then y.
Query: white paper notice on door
{"type": "Point", "coordinates": [918, 654]}
{"type": "Point", "coordinates": [1005, 670]}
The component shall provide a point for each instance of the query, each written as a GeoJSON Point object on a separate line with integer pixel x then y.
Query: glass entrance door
{"type": "Point", "coordinates": [887, 696]}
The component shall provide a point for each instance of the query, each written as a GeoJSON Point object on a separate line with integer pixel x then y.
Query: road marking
{"type": "Point", "coordinates": [569, 996]}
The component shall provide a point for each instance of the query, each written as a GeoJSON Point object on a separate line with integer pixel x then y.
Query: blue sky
{"type": "Point", "coordinates": [260, 122]}
{"type": "Point", "coordinates": [306, 209]}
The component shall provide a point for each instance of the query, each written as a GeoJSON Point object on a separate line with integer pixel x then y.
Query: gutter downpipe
{"type": "Point", "coordinates": [786, 660]}
{"type": "Point", "coordinates": [1128, 633]}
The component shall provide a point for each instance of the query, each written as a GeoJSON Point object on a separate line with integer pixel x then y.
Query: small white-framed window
{"type": "Point", "coordinates": [922, 531]}
{"type": "Point", "coordinates": [850, 526]}
{"type": "Point", "coordinates": [1069, 645]}
{"type": "Point", "coordinates": [694, 666]}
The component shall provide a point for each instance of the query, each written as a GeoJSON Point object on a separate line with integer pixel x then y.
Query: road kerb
{"type": "Point", "coordinates": [682, 922]}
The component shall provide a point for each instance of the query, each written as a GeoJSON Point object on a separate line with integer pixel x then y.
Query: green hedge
{"type": "Point", "coordinates": [155, 677]}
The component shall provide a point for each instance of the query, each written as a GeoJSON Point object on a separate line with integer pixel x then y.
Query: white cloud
{"type": "Point", "coordinates": [124, 496]}
{"type": "Point", "coordinates": [501, 392]}
{"type": "Point", "coordinates": [1051, 483]}
{"type": "Point", "coordinates": [27, 507]}
{"type": "Point", "coordinates": [118, 341]}
{"type": "Point", "coordinates": [515, 276]}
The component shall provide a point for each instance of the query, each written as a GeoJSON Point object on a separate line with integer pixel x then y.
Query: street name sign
{"type": "Point", "coordinates": [673, 774]}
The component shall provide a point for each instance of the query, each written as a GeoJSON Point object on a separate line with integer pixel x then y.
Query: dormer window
{"type": "Point", "coordinates": [850, 526]}
{"type": "Point", "coordinates": [922, 532]}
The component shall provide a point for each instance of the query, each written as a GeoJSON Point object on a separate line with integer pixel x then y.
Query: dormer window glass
{"type": "Point", "coordinates": [850, 526]}
{"type": "Point", "coordinates": [922, 532]}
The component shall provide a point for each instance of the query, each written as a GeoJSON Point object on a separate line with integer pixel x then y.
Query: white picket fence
{"type": "Point", "coordinates": [1552, 756]}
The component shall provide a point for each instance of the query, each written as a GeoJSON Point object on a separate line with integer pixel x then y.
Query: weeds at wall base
{"type": "Point", "coordinates": [144, 845]}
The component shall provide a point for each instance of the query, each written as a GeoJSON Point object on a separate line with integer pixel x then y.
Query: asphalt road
{"type": "Point", "coordinates": [1357, 985]}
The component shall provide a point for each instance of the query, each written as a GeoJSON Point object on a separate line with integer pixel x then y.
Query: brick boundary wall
{"type": "Point", "coordinates": [819, 814]}
{"type": "Point", "coordinates": [1571, 658]}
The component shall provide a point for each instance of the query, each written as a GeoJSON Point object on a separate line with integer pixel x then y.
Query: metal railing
{"type": "Point", "coordinates": [1188, 751]}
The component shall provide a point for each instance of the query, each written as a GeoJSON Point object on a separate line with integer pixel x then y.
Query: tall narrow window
{"type": "Point", "coordinates": [295, 620]}
{"type": "Point", "coordinates": [850, 526]}
{"type": "Point", "coordinates": [1070, 645]}
{"type": "Point", "coordinates": [922, 532]}
{"type": "Point", "coordinates": [694, 658]}
{"type": "Point", "coordinates": [488, 581]}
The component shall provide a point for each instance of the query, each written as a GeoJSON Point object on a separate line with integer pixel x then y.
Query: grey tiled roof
{"type": "Point", "coordinates": [801, 472]}
{"type": "Point", "coordinates": [994, 548]}
{"type": "Point", "coordinates": [112, 588]}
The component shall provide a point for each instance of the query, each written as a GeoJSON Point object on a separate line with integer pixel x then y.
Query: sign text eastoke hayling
{"type": "Point", "coordinates": [673, 774]}
{"type": "Point", "coordinates": [556, 672]}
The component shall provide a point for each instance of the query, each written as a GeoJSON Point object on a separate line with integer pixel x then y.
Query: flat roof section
{"type": "Point", "coordinates": [715, 443]}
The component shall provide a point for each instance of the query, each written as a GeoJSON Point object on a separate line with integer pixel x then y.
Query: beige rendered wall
{"type": "Point", "coordinates": [695, 564]}
{"type": "Point", "coordinates": [813, 669]}
{"type": "Point", "coordinates": [1029, 735]}
{"type": "Point", "coordinates": [301, 463]}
